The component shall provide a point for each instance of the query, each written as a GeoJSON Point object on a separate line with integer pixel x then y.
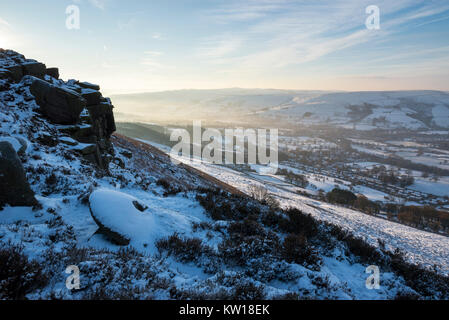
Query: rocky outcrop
{"type": "Point", "coordinates": [102, 119]}
{"type": "Point", "coordinates": [65, 106]}
{"type": "Point", "coordinates": [92, 97]}
{"type": "Point", "coordinates": [34, 68]}
{"type": "Point", "coordinates": [14, 187]}
{"type": "Point", "coordinates": [60, 105]}
{"type": "Point", "coordinates": [15, 72]}
{"type": "Point", "coordinates": [14, 66]}
{"type": "Point", "coordinates": [96, 125]}
{"type": "Point", "coordinates": [92, 153]}
{"type": "Point", "coordinates": [52, 72]}
{"type": "Point", "coordinates": [87, 85]}
{"type": "Point", "coordinates": [77, 104]}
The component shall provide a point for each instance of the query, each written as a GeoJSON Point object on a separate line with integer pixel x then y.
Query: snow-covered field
{"type": "Point", "coordinates": [439, 188]}
{"type": "Point", "coordinates": [422, 247]}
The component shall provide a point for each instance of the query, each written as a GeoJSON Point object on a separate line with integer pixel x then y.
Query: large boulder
{"type": "Point", "coordinates": [125, 219]}
{"type": "Point", "coordinates": [61, 106]}
{"type": "Point", "coordinates": [83, 134]}
{"type": "Point", "coordinates": [90, 152]}
{"type": "Point", "coordinates": [115, 215]}
{"type": "Point", "coordinates": [34, 68]}
{"type": "Point", "coordinates": [14, 187]}
{"type": "Point", "coordinates": [92, 97]}
{"type": "Point", "coordinates": [88, 85]}
{"type": "Point", "coordinates": [15, 71]}
{"type": "Point", "coordinates": [19, 144]}
{"type": "Point", "coordinates": [52, 72]}
{"type": "Point", "coordinates": [5, 74]}
{"type": "Point", "coordinates": [103, 122]}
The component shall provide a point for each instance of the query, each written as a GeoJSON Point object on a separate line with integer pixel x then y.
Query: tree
{"type": "Point", "coordinates": [340, 196]}
{"type": "Point", "coordinates": [262, 195]}
{"type": "Point", "coordinates": [365, 205]}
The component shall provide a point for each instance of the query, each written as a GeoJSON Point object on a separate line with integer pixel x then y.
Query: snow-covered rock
{"type": "Point", "coordinates": [14, 187]}
{"type": "Point", "coordinates": [19, 144]}
{"type": "Point", "coordinates": [62, 106]}
{"type": "Point", "coordinates": [118, 217]}
{"type": "Point", "coordinates": [125, 219]}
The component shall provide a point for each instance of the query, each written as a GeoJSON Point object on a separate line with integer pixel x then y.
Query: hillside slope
{"type": "Point", "coordinates": [421, 247]}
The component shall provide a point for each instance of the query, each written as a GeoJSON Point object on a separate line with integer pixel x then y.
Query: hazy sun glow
{"type": "Point", "coordinates": [4, 41]}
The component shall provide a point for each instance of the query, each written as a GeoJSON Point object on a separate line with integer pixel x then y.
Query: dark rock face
{"type": "Point", "coordinates": [52, 72]}
{"type": "Point", "coordinates": [23, 147]}
{"type": "Point", "coordinates": [14, 187]}
{"type": "Point", "coordinates": [102, 119]}
{"type": "Point", "coordinates": [34, 68]}
{"type": "Point", "coordinates": [4, 74]}
{"type": "Point", "coordinates": [87, 85]}
{"type": "Point", "coordinates": [96, 125]}
{"type": "Point", "coordinates": [92, 97]}
{"type": "Point", "coordinates": [83, 134]}
{"type": "Point", "coordinates": [16, 66]}
{"type": "Point", "coordinates": [62, 106]}
{"type": "Point", "coordinates": [16, 72]}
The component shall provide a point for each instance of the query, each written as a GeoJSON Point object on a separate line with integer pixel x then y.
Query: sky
{"type": "Point", "coordinates": [145, 46]}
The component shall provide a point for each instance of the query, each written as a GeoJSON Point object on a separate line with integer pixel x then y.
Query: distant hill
{"type": "Point", "coordinates": [360, 110]}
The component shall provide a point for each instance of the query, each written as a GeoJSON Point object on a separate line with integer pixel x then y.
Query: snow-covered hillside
{"type": "Point", "coordinates": [421, 247]}
{"type": "Point", "coordinates": [139, 227]}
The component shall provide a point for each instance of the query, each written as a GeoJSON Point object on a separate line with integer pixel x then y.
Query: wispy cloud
{"type": "Point", "coordinates": [127, 24]}
{"type": "Point", "coordinates": [433, 21]}
{"type": "Point", "coordinates": [219, 47]}
{"type": "Point", "coordinates": [280, 33]}
{"type": "Point", "coordinates": [246, 10]}
{"type": "Point", "coordinates": [154, 53]}
{"type": "Point", "coordinates": [4, 23]}
{"type": "Point", "coordinates": [156, 36]}
{"type": "Point", "coordinates": [100, 4]}
{"type": "Point", "coordinates": [150, 59]}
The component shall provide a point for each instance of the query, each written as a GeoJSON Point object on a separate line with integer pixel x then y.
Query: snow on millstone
{"type": "Point", "coordinates": [117, 216]}
{"type": "Point", "coordinates": [126, 220]}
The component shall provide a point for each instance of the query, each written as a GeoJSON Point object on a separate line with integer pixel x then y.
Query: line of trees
{"type": "Point", "coordinates": [293, 178]}
{"type": "Point", "coordinates": [424, 218]}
